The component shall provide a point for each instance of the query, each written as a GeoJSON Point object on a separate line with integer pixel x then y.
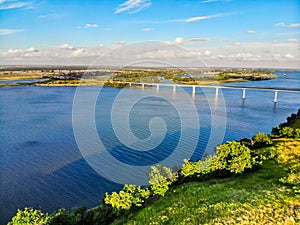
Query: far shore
{"type": "Point", "coordinates": [117, 79]}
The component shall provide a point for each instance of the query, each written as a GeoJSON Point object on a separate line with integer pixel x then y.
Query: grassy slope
{"type": "Point", "coordinates": [253, 198]}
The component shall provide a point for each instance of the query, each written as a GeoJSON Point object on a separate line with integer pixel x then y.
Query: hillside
{"type": "Point", "coordinates": [253, 198]}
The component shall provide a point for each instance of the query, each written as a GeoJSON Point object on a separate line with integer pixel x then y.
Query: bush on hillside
{"type": "Point", "coordinates": [233, 157]}
{"type": "Point", "coordinates": [160, 178]}
{"type": "Point", "coordinates": [30, 216]}
{"type": "Point", "coordinates": [102, 214]}
{"type": "Point", "coordinates": [130, 196]}
{"type": "Point", "coordinates": [261, 140]}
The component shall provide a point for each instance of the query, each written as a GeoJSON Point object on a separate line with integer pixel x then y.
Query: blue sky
{"type": "Point", "coordinates": [39, 25]}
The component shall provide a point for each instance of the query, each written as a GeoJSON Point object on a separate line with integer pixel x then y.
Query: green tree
{"type": "Point", "coordinates": [30, 216]}
{"type": "Point", "coordinates": [234, 157]}
{"type": "Point", "coordinates": [129, 196]}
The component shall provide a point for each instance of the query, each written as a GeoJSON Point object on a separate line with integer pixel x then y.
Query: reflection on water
{"type": "Point", "coordinates": [41, 165]}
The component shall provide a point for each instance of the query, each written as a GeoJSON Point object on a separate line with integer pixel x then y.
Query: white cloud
{"type": "Point", "coordinates": [78, 52]}
{"type": "Point", "coordinates": [293, 40]}
{"type": "Point", "coordinates": [119, 42]}
{"type": "Point", "coordinates": [147, 29]}
{"type": "Point", "coordinates": [251, 31]}
{"type": "Point", "coordinates": [247, 54]}
{"type": "Point", "coordinates": [67, 46]}
{"type": "Point", "coordinates": [165, 54]}
{"type": "Point", "coordinates": [31, 49]}
{"type": "Point", "coordinates": [198, 18]}
{"type": "Point", "coordinates": [198, 39]}
{"type": "Point", "coordinates": [89, 25]}
{"type": "Point", "coordinates": [289, 56]}
{"type": "Point", "coordinates": [133, 6]}
{"type": "Point", "coordinates": [281, 24]}
{"type": "Point", "coordinates": [14, 5]}
{"type": "Point", "coordinates": [292, 25]}
{"type": "Point", "coordinates": [178, 41]}
{"type": "Point", "coordinates": [10, 31]}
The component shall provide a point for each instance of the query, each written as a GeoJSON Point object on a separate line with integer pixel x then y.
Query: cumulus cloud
{"type": "Point", "coordinates": [206, 52]}
{"type": "Point", "coordinates": [133, 6]}
{"type": "Point", "coordinates": [10, 31]}
{"type": "Point", "coordinates": [247, 54]}
{"type": "Point", "coordinates": [289, 56]}
{"type": "Point", "coordinates": [292, 25]}
{"type": "Point", "coordinates": [178, 41]}
{"type": "Point", "coordinates": [251, 31]}
{"type": "Point", "coordinates": [78, 52]}
{"type": "Point", "coordinates": [293, 40]}
{"type": "Point", "coordinates": [89, 25]}
{"type": "Point", "coordinates": [165, 54]}
{"type": "Point", "coordinates": [31, 49]}
{"type": "Point", "coordinates": [67, 46]}
{"type": "Point", "coordinates": [198, 39]}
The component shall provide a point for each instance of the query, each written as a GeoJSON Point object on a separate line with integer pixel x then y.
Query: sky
{"type": "Point", "coordinates": [241, 33]}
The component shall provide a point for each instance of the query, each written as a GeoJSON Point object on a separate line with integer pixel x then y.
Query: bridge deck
{"type": "Point", "coordinates": [216, 87]}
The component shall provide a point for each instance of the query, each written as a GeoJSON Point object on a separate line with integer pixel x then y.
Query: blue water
{"type": "Point", "coordinates": [20, 81]}
{"type": "Point", "coordinates": [43, 167]}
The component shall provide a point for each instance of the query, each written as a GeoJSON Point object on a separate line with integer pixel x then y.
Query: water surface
{"type": "Point", "coordinates": [42, 166]}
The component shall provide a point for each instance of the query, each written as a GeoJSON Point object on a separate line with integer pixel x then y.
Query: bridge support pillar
{"type": "Point", "coordinates": [244, 94]}
{"type": "Point", "coordinates": [194, 90]}
{"type": "Point", "coordinates": [217, 91]}
{"type": "Point", "coordinates": [174, 89]}
{"type": "Point", "coordinates": [275, 96]}
{"type": "Point", "coordinates": [157, 87]}
{"type": "Point", "coordinates": [129, 84]}
{"type": "Point", "coordinates": [143, 85]}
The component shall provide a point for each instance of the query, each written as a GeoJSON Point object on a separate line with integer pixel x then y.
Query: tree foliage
{"type": "Point", "coordinates": [128, 197]}
{"type": "Point", "coordinates": [30, 216]}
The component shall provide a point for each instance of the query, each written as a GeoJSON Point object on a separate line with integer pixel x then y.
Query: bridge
{"type": "Point", "coordinates": [243, 88]}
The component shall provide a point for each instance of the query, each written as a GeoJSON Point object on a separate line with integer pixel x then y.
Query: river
{"type": "Point", "coordinates": [43, 167]}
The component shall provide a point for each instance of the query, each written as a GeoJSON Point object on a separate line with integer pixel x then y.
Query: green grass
{"type": "Point", "coordinates": [254, 198]}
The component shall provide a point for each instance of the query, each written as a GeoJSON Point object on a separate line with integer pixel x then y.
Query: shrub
{"type": "Point", "coordinates": [190, 168]}
{"type": "Point", "coordinates": [286, 132]}
{"type": "Point", "coordinates": [233, 157]}
{"type": "Point", "coordinates": [160, 178]}
{"type": "Point", "coordinates": [60, 217]}
{"type": "Point", "coordinates": [102, 214]}
{"type": "Point", "coordinates": [200, 167]}
{"type": "Point", "coordinates": [261, 140]}
{"type": "Point", "coordinates": [30, 216]}
{"type": "Point", "coordinates": [297, 133]}
{"type": "Point", "coordinates": [128, 197]}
